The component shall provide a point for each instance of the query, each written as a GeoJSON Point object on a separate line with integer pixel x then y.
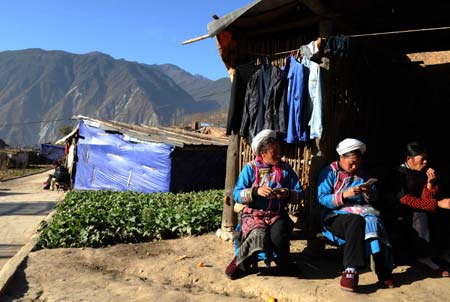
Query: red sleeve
{"type": "Point", "coordinates": [426, 202]}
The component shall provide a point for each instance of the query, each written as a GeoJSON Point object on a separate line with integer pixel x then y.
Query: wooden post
{"type": "Point", "coordinates": [229, 217]}
{"type": "Point", "coordinates": [318, 159]}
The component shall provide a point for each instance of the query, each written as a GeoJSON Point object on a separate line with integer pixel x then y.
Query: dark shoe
{"type": "Point", "coordinates": [349, 280]}
{"type": "Point", "coordinates": [233, 271]}
{"type": "Point", "coordinates": [439, 272]}
{"type": "Point", "coordinates": [388, 283]}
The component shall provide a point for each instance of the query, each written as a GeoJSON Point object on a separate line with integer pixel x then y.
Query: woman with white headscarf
{"type": "Point", "coordinates": [349, 218]}
{"type": "Point", "coordinates": [265, 187]}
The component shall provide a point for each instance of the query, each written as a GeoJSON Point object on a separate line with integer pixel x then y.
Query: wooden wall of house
{"type": "Point", "coordinates": [384, 99]}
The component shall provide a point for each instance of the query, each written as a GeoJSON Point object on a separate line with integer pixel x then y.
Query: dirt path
{"type": "Point", "coordinates": [23, 204]}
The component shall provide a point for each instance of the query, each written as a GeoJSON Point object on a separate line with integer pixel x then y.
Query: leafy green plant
{"type": "Point", "coordinates": [102, 218]}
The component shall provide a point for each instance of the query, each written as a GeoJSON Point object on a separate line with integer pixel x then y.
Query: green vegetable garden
{"type": "Point", "coordinates": [104, 218]}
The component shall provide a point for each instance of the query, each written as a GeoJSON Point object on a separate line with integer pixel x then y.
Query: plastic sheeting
{"type": "Point", "coordinates": [111, 161]}
{"type": "Point", "coordinates": [52, 152]}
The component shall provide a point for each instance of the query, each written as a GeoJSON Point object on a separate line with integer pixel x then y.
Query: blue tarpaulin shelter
{"type": "Point", "coordinates": [52, 152]}
{"type": "Point", "coordinates": [116, 156]}
{"type": "Point", "coordinates": [109, 160]}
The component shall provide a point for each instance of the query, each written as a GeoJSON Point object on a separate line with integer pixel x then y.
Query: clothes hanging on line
{"type": "Point", "coordinates": [314, 45]}
{"type": "Point", "coordinates": [304, 96]}
{"type": "Point", "coordinates": [296, 102]}
{"type": "Point", "coordinates": [338, 46]}
{"type": "Point", "coordinates": [237, 95]}
{"type": "Point", "coordinates": [265, 102]}
{"type": "Point", "coordinates": [260, 92]}
{"type": "Point", "coordinates": [314, 88]}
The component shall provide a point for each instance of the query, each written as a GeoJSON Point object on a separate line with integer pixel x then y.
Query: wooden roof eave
{"type": "Point", "coordinates": [248, 19]}
{"type": "Point", "coordinates": [207, 139]}
{"type": "Point", "coordinates": [141, 136]}
{"type": "Point", "coordinates": [153, 134]}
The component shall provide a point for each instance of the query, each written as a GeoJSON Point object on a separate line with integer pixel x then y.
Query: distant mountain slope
{"type": "Point", "coordinates": [199, 87]}
{"type": "Point", "coordinates": [38, 85]}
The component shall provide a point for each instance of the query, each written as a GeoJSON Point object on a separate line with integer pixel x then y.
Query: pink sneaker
{"type": "Point", "coordinates": [349, 280]}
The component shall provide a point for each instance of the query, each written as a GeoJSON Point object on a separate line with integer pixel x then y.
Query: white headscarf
{"type": "Point", "coordinates": [263, 134]}
{"type": "Point", "coordinates": [350, 144]}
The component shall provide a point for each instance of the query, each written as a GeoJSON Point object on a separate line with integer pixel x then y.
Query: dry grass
{"type": "Point", "coordinates": [13, 173]}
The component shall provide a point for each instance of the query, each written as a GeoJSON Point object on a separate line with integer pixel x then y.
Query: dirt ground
{"type": "Point", "coordinates": [170, 271]}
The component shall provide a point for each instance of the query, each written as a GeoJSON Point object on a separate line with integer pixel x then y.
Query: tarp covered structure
{"type": "Point", "coordinates": [111, 155]}
{"type": "Point", "coordinates": [112, 161]}
{"type": "Point", "coordinates": [52, 152]}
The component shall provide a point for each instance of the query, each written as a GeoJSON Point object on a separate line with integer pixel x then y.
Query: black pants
{"type": "Point", "coordinates": [412, 237]}
{"type": "Point", "coordinates": [351, 228]}
{"type": "Point", "coordinates": [280, 233]}
{"type": "Point", "coordinates": [440, 230]}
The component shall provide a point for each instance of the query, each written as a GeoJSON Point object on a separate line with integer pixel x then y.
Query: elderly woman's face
{"type": "Point", "coordinates": [272, 154]}
{"type": "Point", "coordinates": [417, 163]}
{"type": "Point", "coordinates": [350, 163]}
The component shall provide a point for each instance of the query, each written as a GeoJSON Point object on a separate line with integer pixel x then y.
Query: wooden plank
{"type": "Point", "coordinates": [229, 217]}
{"type": "Point", "coordinates": [196, 39]}
{"type": "Point", "coordinates": [169, 136]}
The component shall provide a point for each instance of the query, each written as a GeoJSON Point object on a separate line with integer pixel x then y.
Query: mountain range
{"type": "Point", "coordinates": [41, 90]}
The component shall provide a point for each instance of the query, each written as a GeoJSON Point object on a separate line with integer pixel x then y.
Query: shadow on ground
{"type": "Point", "coordinates": [26, 208]}
{"type": "Point", "coordinates": [12, 293]}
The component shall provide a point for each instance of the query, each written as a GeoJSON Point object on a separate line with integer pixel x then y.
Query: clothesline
{"type": "Point", "coordinates": [399, 32]}
{"type": "Point", "coordinates": [358, 36]}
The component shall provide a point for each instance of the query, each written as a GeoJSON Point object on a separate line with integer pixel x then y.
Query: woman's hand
{"type": "Point", "coordinates": [281, 193]}
{"type": "Point", "coordinates": [431, 178]}
{"type": "Point", "coordinates": [365, 189]}
{"type": "Point", "coordinates": [266, 192]}
{"type": "Point", "coordinates": [444, 203]}
{"type": "Point", "coordinates": [352, 191]}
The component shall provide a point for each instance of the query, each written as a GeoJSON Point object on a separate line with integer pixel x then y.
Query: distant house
{"type": "Point", "coordinates": [12, 158]}
{"type": "Point", "coordinates": [108, 155]}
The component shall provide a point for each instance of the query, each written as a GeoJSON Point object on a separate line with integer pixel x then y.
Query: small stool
{"type": "Point", "coordinates": [52, 183]}
{"type": "Point", "coordinates": [62, 186]}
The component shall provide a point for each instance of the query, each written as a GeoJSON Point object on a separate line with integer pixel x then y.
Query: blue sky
{"type": "Point", "coordinates": [145, 31]}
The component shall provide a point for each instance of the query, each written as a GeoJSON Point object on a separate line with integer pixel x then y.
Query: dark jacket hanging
{"type": "Point", "coordinates": [265, 102]}
{"type": "Point", "coordinates": [237, 96]}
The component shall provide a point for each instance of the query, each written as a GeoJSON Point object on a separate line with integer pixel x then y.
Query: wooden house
{"type": "Point", "coordinates": [385, 92]}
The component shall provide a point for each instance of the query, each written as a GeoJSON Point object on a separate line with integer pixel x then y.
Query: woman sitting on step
{"type": "Point", "coordinates": [265, 187]}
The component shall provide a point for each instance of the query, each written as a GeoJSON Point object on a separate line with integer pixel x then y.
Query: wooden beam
{"type": "Point", "coordinates": [196, 39]}
{"type": "Point", "coordinates": [229, 217]}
